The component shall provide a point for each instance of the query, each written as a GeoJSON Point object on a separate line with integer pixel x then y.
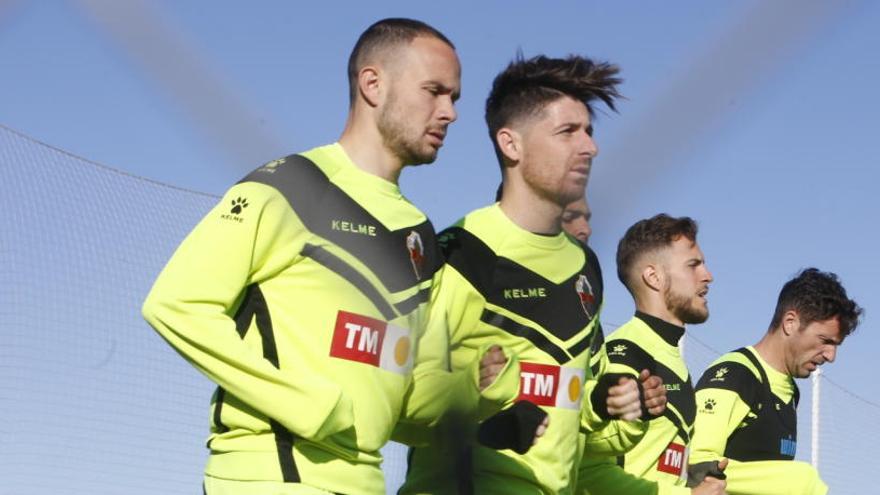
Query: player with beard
{"type": "Point", "coordinates": [662, 266]}
{"type": "Point", "coordinates": [513, 275]}
{"type": "Point", "coordinates": [304, 293]}
{"type": "Point", "coordinates": [748, 398]}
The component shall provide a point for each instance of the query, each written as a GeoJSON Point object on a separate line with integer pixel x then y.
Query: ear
{"type": "Point", "coordinates": [369, 85]}
{"type": "Point", "coordinates": [510, 143]}
{"type": "Point", "coordinates": [791, 322]}
{"type": "Point", "coordinates": [653, 277]}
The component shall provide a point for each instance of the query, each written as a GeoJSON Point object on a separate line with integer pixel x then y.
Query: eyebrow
{"type": "Point", "coordinates": [456, 94]}
{"type": "Point", "coordinates": [568, 125]}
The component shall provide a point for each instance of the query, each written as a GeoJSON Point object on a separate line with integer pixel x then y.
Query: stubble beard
{"type": "Point", "coordinates": [559, 193]}
{"type": "Point", "coordinates": [401, 139]}
{"type": "Point", "coordinates": [684, 309]}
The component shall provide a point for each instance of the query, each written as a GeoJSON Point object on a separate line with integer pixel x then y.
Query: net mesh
{"type": "Point", "coordinates": [93, 401]}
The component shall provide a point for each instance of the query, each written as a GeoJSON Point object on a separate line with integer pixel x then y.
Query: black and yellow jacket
{"type": "Point", "coordinates": [540, 296]}
{"type": "Point", "coordinates": [303, 294]}
{"type": "Point", "coordinates": [747, 412]}
{"type": "Point", "coordinates": [656, 465]}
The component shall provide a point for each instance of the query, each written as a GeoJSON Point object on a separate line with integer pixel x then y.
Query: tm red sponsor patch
{"type": "Point", "coordinates": [358, 338]}
{"type": "Point", "coordinates": [374, 342]}
{"type": "Point", "coordinates": [672, 459]}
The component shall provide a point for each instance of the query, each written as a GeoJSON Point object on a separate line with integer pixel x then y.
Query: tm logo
{"type": "Point", "coordinates": [673, 459]}
{"type": "Point", "coordinates": [709, 405]}
{"type": "Point", "coordinates": [366, 340]}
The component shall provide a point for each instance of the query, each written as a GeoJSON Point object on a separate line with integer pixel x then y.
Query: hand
{"type": "Point", "coordinates": [491, 365]}
{"type": "Point", "coordinates": [623, 400]}
{"type": "Point", "coordinates": [514, 428]}
{"type": "Point", "coordinates": [710, 485]}
{"type": "Point", "coordinates": [654, 393]}
{"type": "Point", "coordinates": [541, 429]}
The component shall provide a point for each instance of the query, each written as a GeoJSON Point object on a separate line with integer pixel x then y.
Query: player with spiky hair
{"type": "Point", "coordinates": [514, 276]}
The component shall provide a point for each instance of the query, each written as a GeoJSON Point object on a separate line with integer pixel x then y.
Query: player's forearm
{"type": "Point", "coordinates": [773, 478]}
{"type": "Point", "coordinates": [202, 285]}
{"type": "Point", "coordinates": [436, 392]}
{"type": "Point", "coordinates": [602, 476]}
{"type": "Point", "coordinates": [719, 412]}
{"type": "Point", "coordinates": [306, 404]}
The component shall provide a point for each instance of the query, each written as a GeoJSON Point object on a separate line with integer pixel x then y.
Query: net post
{"type": "Point", "coordinates": [814, 417]}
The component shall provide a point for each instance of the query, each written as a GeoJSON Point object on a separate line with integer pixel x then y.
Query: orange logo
{"type": "Point", "coordinates": [574, 388]}
{"type": "Point", "coordinates": [401, 351]}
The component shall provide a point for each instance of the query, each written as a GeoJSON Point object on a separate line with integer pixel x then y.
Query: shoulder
{"type": "Point", "coordinates": [623, 347]}
{"type": "Point", "coordinates": [732, 371]}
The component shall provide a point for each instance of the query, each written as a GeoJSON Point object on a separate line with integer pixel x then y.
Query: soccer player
{"type": "Point", "coordinates": [512, 274]}
{"type": "Point", "coordinates": [304, 292]}
{"type": "Point", "coordinates": [747, 399]}
{"type": "Point", "coordinates": [576, 219]}
{"type": "Point", "coordinates": [663, 268]}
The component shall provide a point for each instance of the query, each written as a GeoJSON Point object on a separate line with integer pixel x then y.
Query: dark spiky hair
{"type": "Point", "coordinates": [525, 87]}
{"type": "Point", "coordinates": [817, 296]}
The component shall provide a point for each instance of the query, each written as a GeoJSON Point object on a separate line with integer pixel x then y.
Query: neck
{"type": "Point", "coordinates": [772, 349]}
{"type": "Point", "coordinates": [365, 147]}
{"type": "Point", "coordinates": [667, 331]}
{"type": "Point", "coordinates": [656, 307]}
{"type": "Point", "coordinates": [530, 211]}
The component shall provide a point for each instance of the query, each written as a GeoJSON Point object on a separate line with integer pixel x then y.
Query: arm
{"type": "Point", "coordinates": [719, 412]}
{"type": "Point", "coordinates": [602, 476]}
{"type": "Point", "coordinates": [626, 390]}
{"type": "Point", "coordinates": [192, 302]}
{"type": "Point", "coordinates": [472, 393]}
{"type": "Point", "coordinates": [773, 478]}
{"type": "Point", "coordinates": [605, 436]}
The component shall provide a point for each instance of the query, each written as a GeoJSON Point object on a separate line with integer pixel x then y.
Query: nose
{"type": "Point", "coordinates": [589, 146]}
{"type": "Point", "coordinates": [708, 277]}
{"type": "Point", "coordinates": [446, 111]}
{"type": "Point", "coordinates": [830, 353]}
{"type": "Point", "coordinates": [579, 228]}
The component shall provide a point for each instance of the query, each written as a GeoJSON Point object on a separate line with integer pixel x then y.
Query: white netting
{"type": "Point", "coordinates": [93, 401]}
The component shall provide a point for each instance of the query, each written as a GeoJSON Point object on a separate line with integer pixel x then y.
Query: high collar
{"type": "Point", "coordinates": [670, 333]}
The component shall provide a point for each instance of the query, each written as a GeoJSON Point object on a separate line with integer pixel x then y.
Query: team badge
{"type": "Point", "coordinates": [416, 253]}
{"type": "Point", "coordinates": [585, 293]}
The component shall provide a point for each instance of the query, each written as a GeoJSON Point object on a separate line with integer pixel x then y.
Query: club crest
{"type": "Point", "coordinates": [416, 253]}
{"type": "Point", "coordinates": [585, 293]}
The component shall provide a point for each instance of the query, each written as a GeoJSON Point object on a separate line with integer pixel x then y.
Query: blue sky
{"type": "Point", "coordinates": [759, 119]}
